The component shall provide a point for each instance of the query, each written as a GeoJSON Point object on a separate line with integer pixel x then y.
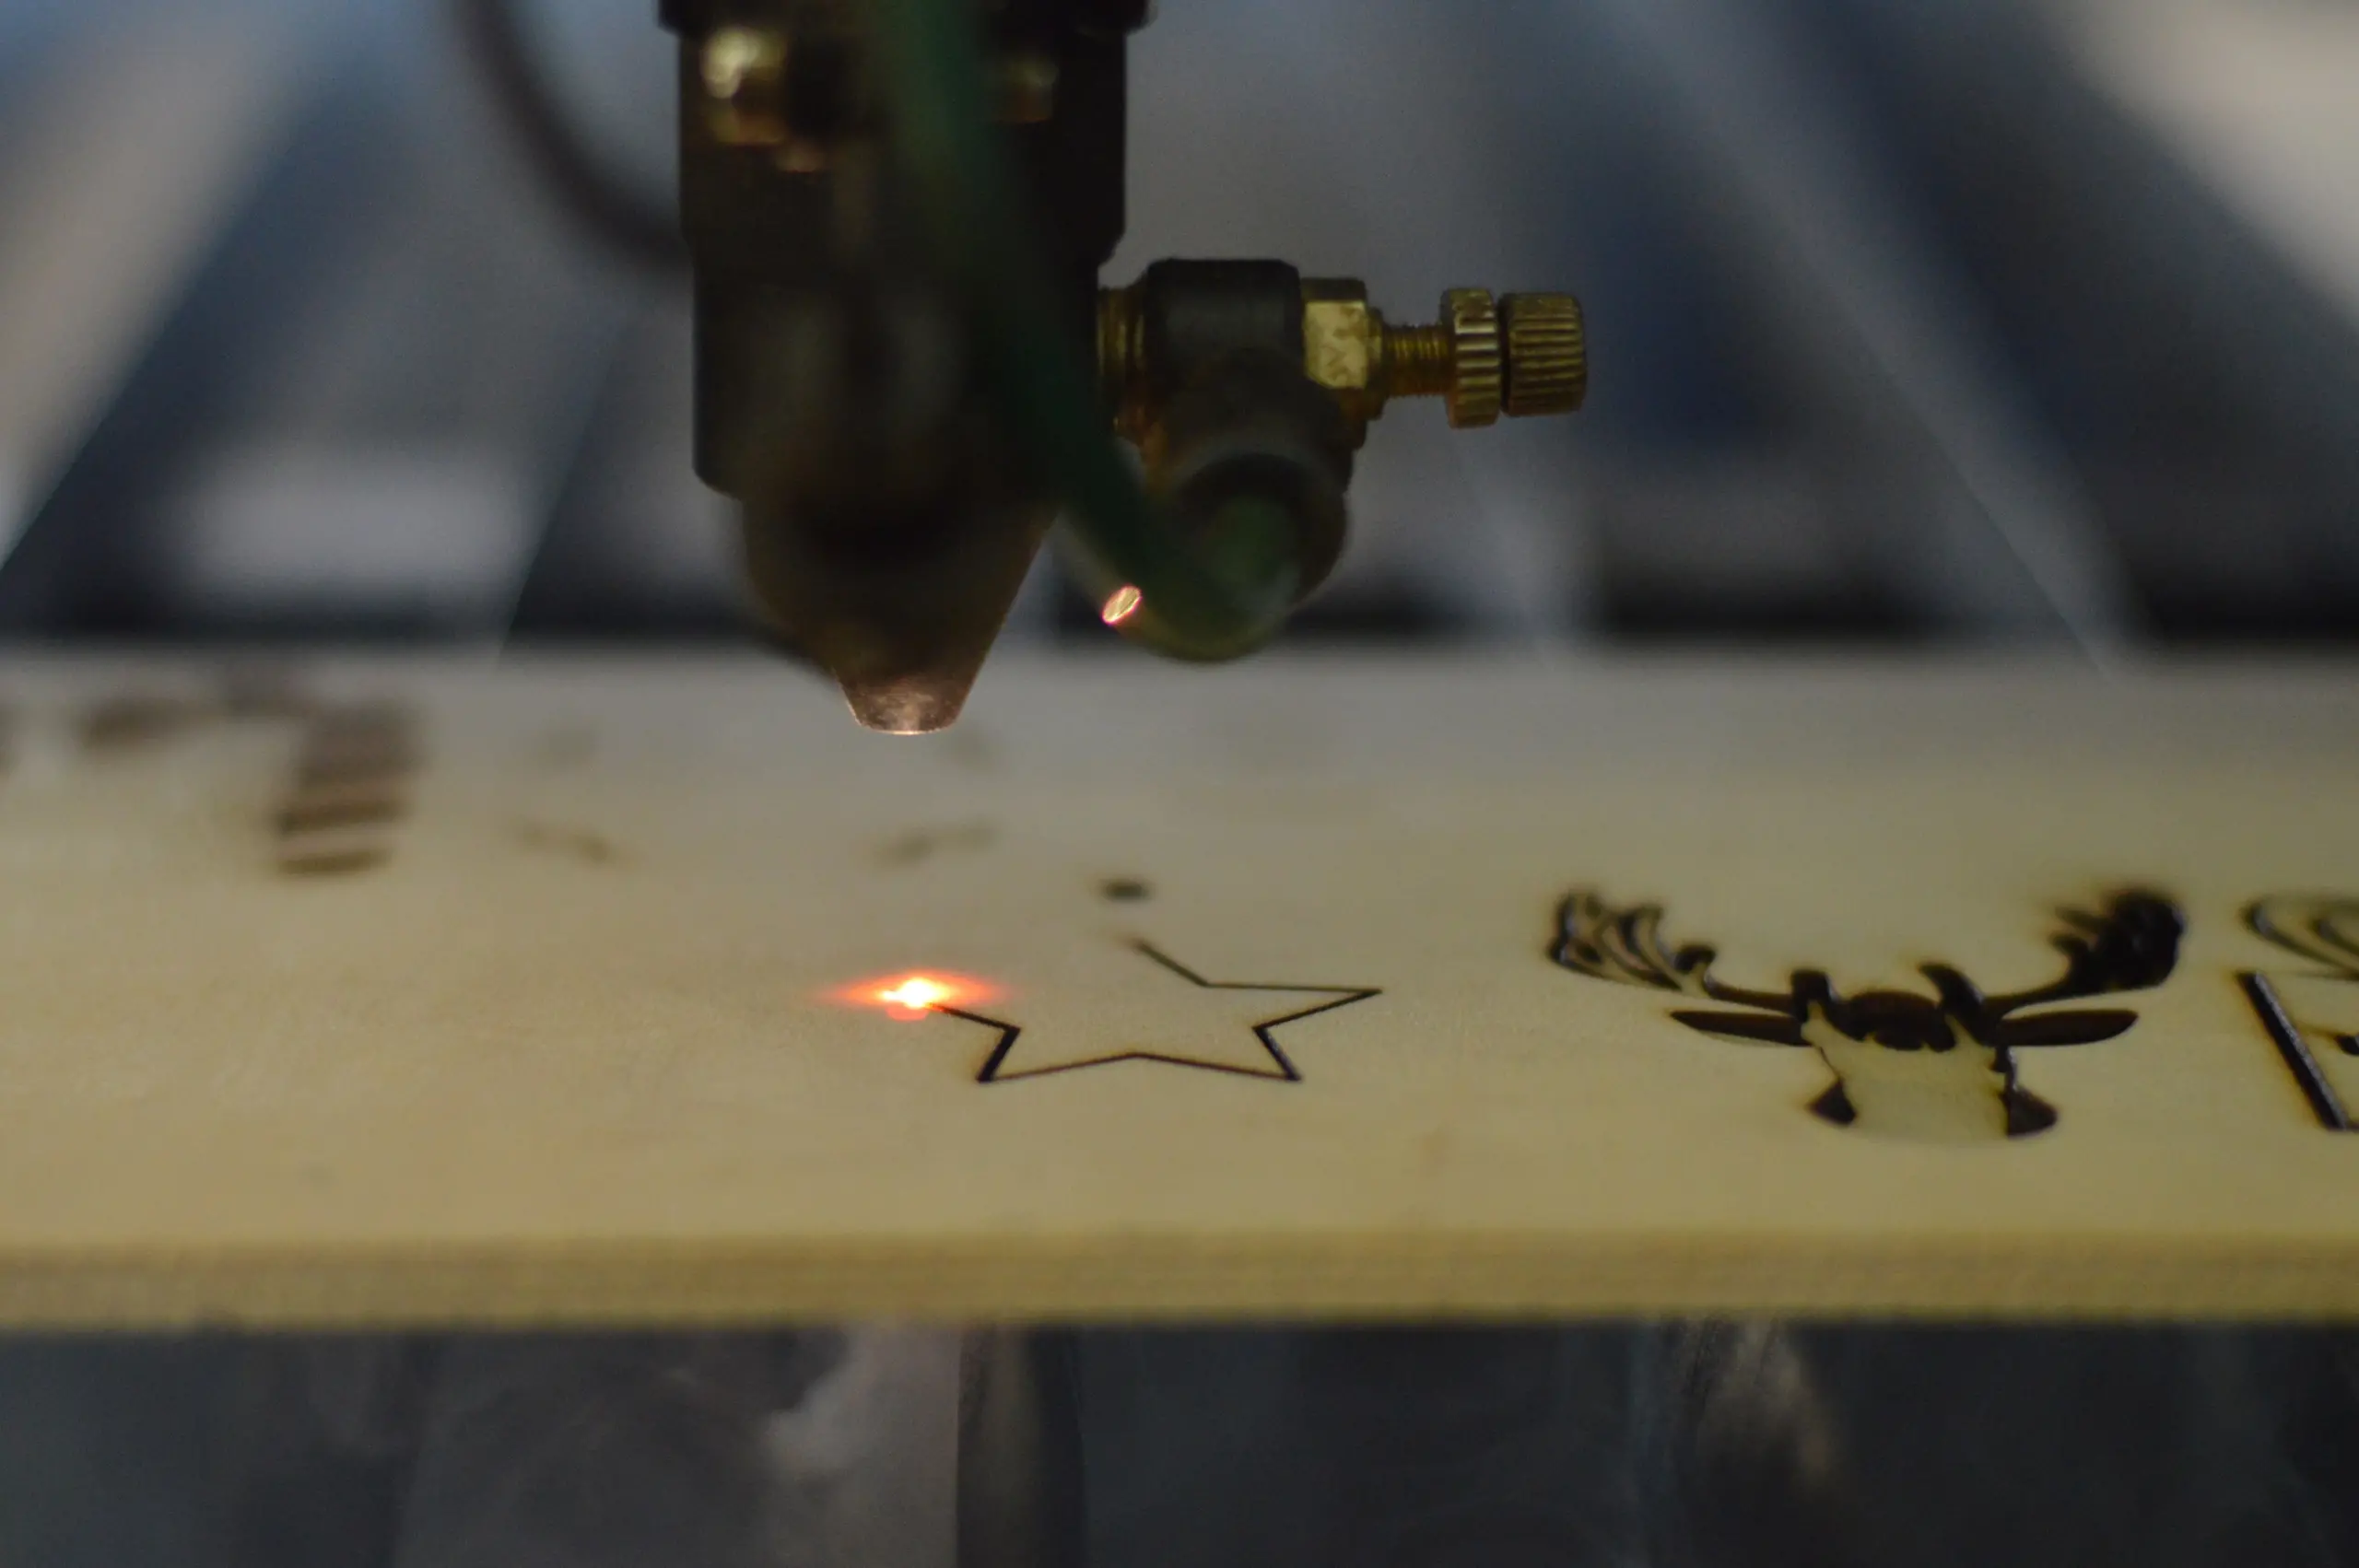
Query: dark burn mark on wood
{"type": "Point", "coordinates": [916, 848]}
{"type": "Point", "coordinates": [135, 721]}
{"type": "Point", "coordinates": [580, 844]}
{"type": "Point", "coordinates": [329, 805]}
{"type": "Point", "coordinates": [353, 771]}
{"type": "Point", "coordinates": [119, 726]}
{"type": "Point", "coordinates": [351, 789]}
{"type": "Point", "coordinates": [319, 859]}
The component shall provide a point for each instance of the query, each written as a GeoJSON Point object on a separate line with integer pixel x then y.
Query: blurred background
{"type": "Point", "coordinates": [1917, 322]}
{"type": "Point", "coordinates": [1914, 319]}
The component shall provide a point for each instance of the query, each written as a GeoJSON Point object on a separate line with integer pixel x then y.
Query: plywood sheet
{"type": "Point", "coordinates": [443, 994]}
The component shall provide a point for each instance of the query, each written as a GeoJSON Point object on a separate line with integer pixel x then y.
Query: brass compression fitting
{"type": "Point", "coordinates": [1522, 355]}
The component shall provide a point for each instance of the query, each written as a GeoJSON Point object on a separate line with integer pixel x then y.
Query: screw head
{"type": "Point", "coordinates": [1478, 360]}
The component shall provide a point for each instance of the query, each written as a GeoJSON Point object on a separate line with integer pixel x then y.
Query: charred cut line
{"type": "Point", "coordinates": [1629, 946]}
{"type": "Point", "coordinates": [2294, 1051]}
{"type": "Point", "coordinates": [2325, 931]}
{"type": "Point", "coordinates": [2131, 946]}
{"type": "Point", "coordinates": [351, 792]}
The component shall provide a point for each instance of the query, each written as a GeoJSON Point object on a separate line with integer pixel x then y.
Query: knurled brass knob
{"type": "Point", "coordinates": [1478, 361]}
{"type": "Point", "coordinates": [1546, 353]}
{"type": "Point", "coordinates": [1520, 357]}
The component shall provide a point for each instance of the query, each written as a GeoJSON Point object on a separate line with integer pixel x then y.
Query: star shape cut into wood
{"type": "Point", "coordinates": [1219, 1026]}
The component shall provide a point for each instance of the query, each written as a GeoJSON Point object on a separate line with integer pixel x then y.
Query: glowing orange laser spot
{"type": "Point", "coordinates": [1126, 603]}
{"type": "Point", "coordinates": [912, 997]}
{"type": "Point", "coordinates": [916, 997]}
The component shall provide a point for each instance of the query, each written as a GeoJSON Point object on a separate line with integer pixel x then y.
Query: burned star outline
{"type": "Point", "coordinates": [1283, 1068]}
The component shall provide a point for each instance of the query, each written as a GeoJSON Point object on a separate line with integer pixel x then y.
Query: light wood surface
{"type": "Point", "coordinates": [531, 1010]}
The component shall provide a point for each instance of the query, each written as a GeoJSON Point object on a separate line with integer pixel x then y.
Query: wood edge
{"type": "Point", "coordinates": [1277, 1280]}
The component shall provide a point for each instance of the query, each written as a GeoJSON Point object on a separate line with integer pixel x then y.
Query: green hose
{"type": "Point", "coordinates": [1218, 595]}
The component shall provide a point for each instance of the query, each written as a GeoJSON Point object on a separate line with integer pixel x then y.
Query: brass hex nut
{"type": "Point", "coordinates": [1342, 345]}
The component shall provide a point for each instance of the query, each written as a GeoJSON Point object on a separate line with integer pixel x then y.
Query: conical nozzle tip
{"type": "Point", "coordinates": [921, 704]}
